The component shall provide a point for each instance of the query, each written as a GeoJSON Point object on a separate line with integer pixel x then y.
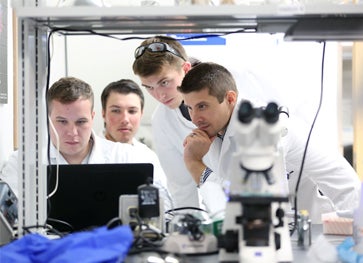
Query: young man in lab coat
{"type": "Point", "coordinates": [161, 64]}
{"type": "Point", "coordinates": [70, 103]}
{"type": "Point", "coordinates": [328, 182]}
{"type": "Point", "coordinates": [122, 109]}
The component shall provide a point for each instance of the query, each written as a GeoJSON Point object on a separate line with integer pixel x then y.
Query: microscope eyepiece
{"type": "Point", "coordinates": [246, 112]}
{"type": "Point", "coordinates": [271, 113]}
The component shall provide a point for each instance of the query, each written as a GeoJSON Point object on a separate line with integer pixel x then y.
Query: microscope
{"type": "Point", "coordinates": [255, 228]}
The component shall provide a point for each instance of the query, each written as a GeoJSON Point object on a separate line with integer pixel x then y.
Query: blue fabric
{"type": "Point", "coordinates": [347, 254]}
{"type": "Point", "coordinates": [98, 245]}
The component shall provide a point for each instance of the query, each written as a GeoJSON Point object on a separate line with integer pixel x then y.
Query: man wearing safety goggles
{"type": "Point", "coordinates": [161, 63]}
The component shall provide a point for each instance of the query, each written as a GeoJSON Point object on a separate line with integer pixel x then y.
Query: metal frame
{"type": "Point", "coordinates": [32, 122]}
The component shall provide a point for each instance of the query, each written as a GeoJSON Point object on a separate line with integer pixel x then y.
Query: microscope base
{"type": "Point", "coordinates": [250, 249]}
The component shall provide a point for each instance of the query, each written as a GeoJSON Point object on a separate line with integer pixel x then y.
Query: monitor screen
{"type": "Point", "coordinates": [88, 195]}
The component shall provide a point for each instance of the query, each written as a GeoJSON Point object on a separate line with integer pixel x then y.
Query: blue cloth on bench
{"type": "Point", "coordinates": [94, 246]}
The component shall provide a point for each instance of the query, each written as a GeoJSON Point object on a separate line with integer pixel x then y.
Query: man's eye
{"type": "Point", "coordinates": [62, 121]}
{"type": "Point", "coordinates": [115, 110]}
{"type": "Point", "coordinates": [202, 107]}
{"type": "Point", "coordinates": [165, 83]}
{"type": "Point", "coordinates": [81, 122]}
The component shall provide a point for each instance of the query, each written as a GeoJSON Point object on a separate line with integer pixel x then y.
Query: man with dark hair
{"type": "Point", "coordinates": [122, 109]}
{"type": "Point", "coordinates": [328, 182]}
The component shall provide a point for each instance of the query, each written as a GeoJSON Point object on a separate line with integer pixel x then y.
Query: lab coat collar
{"type": "Point", "coordinates": [54, 155]}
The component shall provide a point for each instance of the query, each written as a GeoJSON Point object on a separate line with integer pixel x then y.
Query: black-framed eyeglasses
{"type": "Point", "coordinates": [156, 47]}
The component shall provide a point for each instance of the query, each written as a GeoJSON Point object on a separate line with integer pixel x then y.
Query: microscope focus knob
{"type": "Point", "coordinates": [229, 241]}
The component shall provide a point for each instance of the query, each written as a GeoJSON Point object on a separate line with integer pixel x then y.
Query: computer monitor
{"type": "Point", "coordinates": [88, 195]}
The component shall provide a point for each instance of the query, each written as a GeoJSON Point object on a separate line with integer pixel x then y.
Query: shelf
{"type": "Point", "coordinates": [315, 22]}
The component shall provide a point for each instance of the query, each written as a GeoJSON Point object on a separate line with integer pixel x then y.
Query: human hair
{"type": "Point", "coordinates": [122, 86]}
{"type": "Point", "coordinates": [208, 75]}
{"type": "Point", "coordinates": [194, 61]}
{"type": "Point", "coordinates": [69, 89]}
{"type": "Point", "coordinates": [150, 63]}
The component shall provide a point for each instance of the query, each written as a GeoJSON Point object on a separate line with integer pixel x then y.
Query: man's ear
{"type": "Point", "coordinates": [103, 113]}
{"type": "Point", "coordinates": [231, 97]}
{"type": "Point", "coordinates": [186, 66]}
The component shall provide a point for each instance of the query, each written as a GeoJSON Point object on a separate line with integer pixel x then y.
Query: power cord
{"type": "Point", "coordinates": [191, 227]}
{"type": "Point", "coordinates": [69, 228]}
{"type": "Point", "coordinates": [48, 228]}
{"type": "Point", "coordinates": [307, 141]}
{"type": "Point", "coordinates": [114, 222]}
{"type": "Point", "coordinates": [144, 235]}
{"type": "Point", "coordinates": [170, 211]}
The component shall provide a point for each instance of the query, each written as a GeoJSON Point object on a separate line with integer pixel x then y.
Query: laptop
{"type": "Point", "coordinates": [8, 213]}
{"type": "Point", "coordinates": [87, 195]}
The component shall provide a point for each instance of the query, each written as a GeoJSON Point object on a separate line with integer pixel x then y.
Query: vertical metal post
{"type": "Point", "coordinates": [32, 124]}
{"type": "Point", "coordinates": [357, 69]}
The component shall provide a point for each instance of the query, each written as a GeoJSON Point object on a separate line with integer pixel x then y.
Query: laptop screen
{"type": "Point", "coordinates": [88, 195]}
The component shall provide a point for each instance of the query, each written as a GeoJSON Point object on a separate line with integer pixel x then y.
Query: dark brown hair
{"type": "Point", "coordinates": [207, 75]}
{"type": "Point", "coordinates": [122, 86]}
{"type": "Point", "coordinates": [69, 89]}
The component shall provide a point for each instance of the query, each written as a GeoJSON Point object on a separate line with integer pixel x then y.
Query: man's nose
{"type": "Point", "coordinates": [193, 116]}
{"type": "Point", "coordinates": [160, 93]}
{"type": "Point", "coordinates": [124, 117]}
{"type": "Point", "coordinates": [73, 129]}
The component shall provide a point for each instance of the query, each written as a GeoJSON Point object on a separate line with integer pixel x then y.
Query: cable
{"type": "Point", "coordinates": [308, 139]}
{"type": "Point", "coordinates": [191, 227]}
{"type": "Point", "coordinates": [46, 227]}
{"type": "Point", "coordinates": [146, 236]}
{"type": "Point", "coordinates": [61, 222]}
{"type": "Point", "coordinates": [116, 221]}
{"type": "Point", "coordinates": [74, 31]}
{"type": "Point", "coordinates": [50, 124]}
{"type": "Point", "coordinates": [57, 160]}
{"type": "Point", "coordinates": [184, 208]}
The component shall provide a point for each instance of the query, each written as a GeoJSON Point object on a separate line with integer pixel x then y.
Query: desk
{"type": "Point", "coordinates": [300, 253]}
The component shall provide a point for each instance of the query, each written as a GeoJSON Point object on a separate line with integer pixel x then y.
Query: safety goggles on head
{"type": "Point", "coordinates": [156, 47]}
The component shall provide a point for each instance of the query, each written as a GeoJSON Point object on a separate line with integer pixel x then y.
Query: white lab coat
{"type": "Point", "coordinates": [142, 153]}
{"type": "Point", "coordinates": [324, 171]}
{"type": "Point", "coordinates": [169, 128]}
{"type": "Point", "coordinates": [103, 151]}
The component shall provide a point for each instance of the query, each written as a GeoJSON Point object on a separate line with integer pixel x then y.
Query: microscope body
{"type": "Point", "coordinates": [255, 228]}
